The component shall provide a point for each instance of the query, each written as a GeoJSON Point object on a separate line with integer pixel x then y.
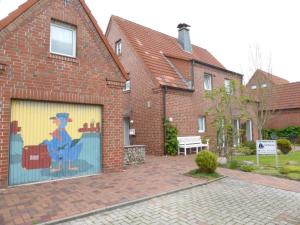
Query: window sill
{"type": "Point", "coordinates": [126, 91]}
{"type": "Point", "coordinates": [64, 58]}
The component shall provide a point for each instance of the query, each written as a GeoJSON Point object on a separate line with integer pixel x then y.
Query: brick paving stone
{"type": "Point", "coordinates": [250, 204]}
{"type": "Point", "coordinates": [31, 204]}
{"type": "Point", "coordinates": [37, 203]}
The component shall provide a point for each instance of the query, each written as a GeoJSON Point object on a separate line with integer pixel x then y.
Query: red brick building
{"type": "Point", "coordinates": [284, 101]}
{"type": "Point", "coordinates": [55, 60]}
{"type": "Point", "coordinates": [168, 78]}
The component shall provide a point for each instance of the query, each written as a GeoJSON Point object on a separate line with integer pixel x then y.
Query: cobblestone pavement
{"type": "Point", "coordinates": [227, 201]}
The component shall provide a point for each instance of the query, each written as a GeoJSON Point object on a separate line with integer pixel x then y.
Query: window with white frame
{"type": "Point", "coordinates": [127, 86]}
{"type": "Point", "coordinates": [228, 86]}
{"type": "Point", "coordinates": [253, 87]}
{"type": "Point", "coordinates": [249, 136]}
{"type": "Point", "coordinates": [221, 135]}
{"type": "Point", "coordinates": [236, 132]}
{"type": "Point", "coordinates": [201, 124]}
{"type": "Point", "coordinates": [63, 39]}
{"type": "Point", "coordinates": [118, 47]}
{"type": "Point", "coordinates": [264, 85]}
{"type": "Point", "coordinates": [207, 82]}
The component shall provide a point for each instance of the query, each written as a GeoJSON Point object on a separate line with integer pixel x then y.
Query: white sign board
{"type": "Point", "coordinates": [266, 147]}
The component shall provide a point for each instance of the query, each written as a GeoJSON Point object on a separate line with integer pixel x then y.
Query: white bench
{"type": "Point", "coordinates": [191, 142]}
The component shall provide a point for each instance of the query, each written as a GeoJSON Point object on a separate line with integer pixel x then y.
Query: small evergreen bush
{"type": "Point", "coordinates": [247, 168]}
{"type": "Point", "coordinates": [291, 133]}
{"type": "Point", "coordinates": [251, 145]}
{"type": "Point", "coordinates": [171, 138]}
{"type": "Point", "coordinates": [206, 161]}
{"type": "Point", "coordinates": [284, 145]}
{"type": "Point", "coordinates": [245, 150]}
{"type": "Point", "coordinates": [289, 169]}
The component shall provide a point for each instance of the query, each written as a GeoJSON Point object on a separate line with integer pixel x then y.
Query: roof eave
{"type": "Point", "coordinates": [176, 88]}
{"type": "Point", "coordinates": [217, 67]}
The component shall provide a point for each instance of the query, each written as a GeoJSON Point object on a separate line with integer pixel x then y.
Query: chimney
{"type": "Point", "coordinates": [184, 37]}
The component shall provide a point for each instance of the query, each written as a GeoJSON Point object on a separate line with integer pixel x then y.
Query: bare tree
{"type": "Point", "coordinates": [227, 105]}
{"type": "Point", "coordinates": [261, 89]}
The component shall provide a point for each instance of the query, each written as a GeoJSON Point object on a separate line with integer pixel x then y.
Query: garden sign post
{"type": "Point", "coordinates": [266, 147]}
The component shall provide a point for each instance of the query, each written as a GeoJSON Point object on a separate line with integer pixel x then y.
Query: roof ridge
{"type": "Point", "coordinates": [273, 75]}
{"type": "Point", "coordinates": [167, 35]}
{"type": "Point", "coordinates": [290, 83]}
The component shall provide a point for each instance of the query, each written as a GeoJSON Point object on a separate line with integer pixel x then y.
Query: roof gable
{"type": "Point", "coordinates": [29, 3]}
{"type": "Point", "coordinates": [262, 76]}
{"type": "Point", "coordinates": [155, 48]}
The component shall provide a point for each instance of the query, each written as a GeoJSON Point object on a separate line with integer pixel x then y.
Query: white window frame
{"type": "Point", "coordinates": [264, 85]}
{"type": "Point", "coordinates": [210, 83]}
{"type": "Point", "coordinates": [250, 130]}
{"type": "Point", "coordinates": [253, 87]}
{"type": "Point", "coordinates": [118, 47]}
{"type": "Point", "coordinates": [127, 86]}
{"type": "Point", "coordinates": [228, 88]}
{"type": "Point", "coordinates": [203, 120]}
{"type": "Point", "coordinates": [67, 27]}
{"type": "Point", "coordinates": [237, 121]}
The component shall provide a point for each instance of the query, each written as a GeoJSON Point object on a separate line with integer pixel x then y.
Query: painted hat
{"type": "Point", "coordinates": [62, 116]}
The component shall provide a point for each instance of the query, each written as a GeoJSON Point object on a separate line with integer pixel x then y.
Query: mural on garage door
{"type": "Point", "coordinates": [53, 140]}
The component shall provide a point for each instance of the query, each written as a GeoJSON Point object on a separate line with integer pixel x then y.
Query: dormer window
{"type": "Point", "coordinates": [118, 47]}
{"type": "Point", "coordinates": [63, 39]}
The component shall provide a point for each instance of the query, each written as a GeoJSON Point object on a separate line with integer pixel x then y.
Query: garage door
{"type": "Point", "coordinates": [53, 141]}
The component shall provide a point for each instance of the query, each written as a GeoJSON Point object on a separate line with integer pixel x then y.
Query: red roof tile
{"type": "Point", "coordinates": [29, 3]}
{"type": "Point", "coordinates": [269, 77]}
{"type": "Point", "coordinates": [286, 96]}
{"type": "Point", "coordinates": [154, 47]}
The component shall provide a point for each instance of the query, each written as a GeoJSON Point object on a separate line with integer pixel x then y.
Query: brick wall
{"type": "Point", "coordinates": [32, 73]}
{"type": "Point", "coordinates": [186, 107]}
{"type": "Point", "coordinates": [143, 102]}
{"type": "Point", "coordinates": [284, 118]}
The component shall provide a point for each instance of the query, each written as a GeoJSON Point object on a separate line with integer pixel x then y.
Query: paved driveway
{"type": "Point", "coordinates": [227, 201]}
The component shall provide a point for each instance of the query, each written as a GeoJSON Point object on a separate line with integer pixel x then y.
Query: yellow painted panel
{"type": "Point", "coordinates": [36, 125]}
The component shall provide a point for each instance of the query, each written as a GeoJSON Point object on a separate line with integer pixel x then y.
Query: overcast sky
{"type": "Point", "coordinates": [228, 29]}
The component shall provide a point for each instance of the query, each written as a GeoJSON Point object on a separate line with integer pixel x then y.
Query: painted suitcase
{"type": "Point", "coordinates": [35, 157]}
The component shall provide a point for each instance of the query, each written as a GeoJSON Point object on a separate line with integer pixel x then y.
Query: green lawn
{"type": "Point", "coordinates": [267, 164]}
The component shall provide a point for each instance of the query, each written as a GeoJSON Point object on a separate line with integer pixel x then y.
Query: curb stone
{"type": "Point", "coordinates": [124, 204]}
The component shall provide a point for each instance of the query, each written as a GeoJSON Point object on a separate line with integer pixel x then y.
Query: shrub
{"type": "Point", "coordinates": [206, 161]}
{"type": "Point", "coordinates": [171, 138]}
{"type": "Point", "coordinates": [284, 145]}
{"type": "Point", "coordinates": [233, 164]}
{"type": "Point", "coordinates": [245, 150]}
{"type": "Point", "coordinates": [289, 169]}
{"type": "Point", "coordinates": [290, 132]}
{"type": "Point", "coordinates": [251, 145]}
{"type": "Point", "coordinates": [292, 163]}
{"type": "Point", "coordinates": [247, 168]}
